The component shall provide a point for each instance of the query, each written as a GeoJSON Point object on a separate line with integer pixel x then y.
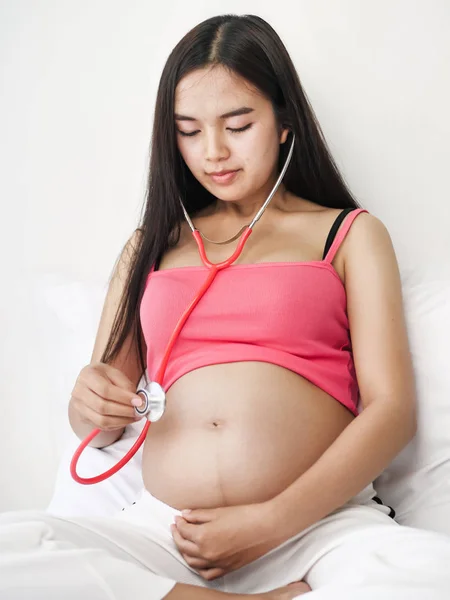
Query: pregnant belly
{"type": "Point", "coordinates": [237, 433]}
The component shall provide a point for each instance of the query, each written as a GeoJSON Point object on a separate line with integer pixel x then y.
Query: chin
{"type": "Point", "coordinates": [229, 197]}
{"type": "Point", "coordinates": [228, 194]}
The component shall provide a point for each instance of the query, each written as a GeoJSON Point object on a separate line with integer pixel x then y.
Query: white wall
{"type": "Point", "coordinates": [78, 83]}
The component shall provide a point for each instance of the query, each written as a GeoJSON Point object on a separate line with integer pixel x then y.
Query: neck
{"type": "Point", "coordinates": [245, 210]}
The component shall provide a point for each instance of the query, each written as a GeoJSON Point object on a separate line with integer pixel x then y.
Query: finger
{"type": "Point", "coordinates": [188, 530]}
{"type": "Point", "coordinates": [210, 574]}
{"type": "Point", "coordinates": [185, 546]}
{"type": "Point", "coordinates": [103, 406]}
{"type": "Point", "coordinates": [197, 563]}
{"type": "Point", "coordinates": [199, 515]}
{"type": "Point", "coordinates": [98, 382]}
{"type": "Point", "coordinates": [105, 423]}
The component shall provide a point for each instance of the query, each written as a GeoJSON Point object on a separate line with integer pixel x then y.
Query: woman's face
{"type": "Point", "coordinates": [208, 141]}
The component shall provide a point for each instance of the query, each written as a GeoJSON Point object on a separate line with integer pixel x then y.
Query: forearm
{"type": "Point", "coordinates": [361, 452]}
{"type": "Point", "coordinates": [83, 429]}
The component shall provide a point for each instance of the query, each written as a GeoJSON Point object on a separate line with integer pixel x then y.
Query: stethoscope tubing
{"type": "Point", "coordinates": [213, 269]}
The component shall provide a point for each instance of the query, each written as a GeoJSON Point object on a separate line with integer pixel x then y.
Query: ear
{"type": "Point", "coordinates": [284, 134]}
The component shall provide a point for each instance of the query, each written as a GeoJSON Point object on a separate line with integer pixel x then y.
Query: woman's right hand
{"type": "Point", "coordinates": [102, 397]}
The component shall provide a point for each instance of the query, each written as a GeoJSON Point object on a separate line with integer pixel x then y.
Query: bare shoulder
{"type": "Point", "coordinates": [368, 252]}
{"type": "Point", "coordinates": [367, 234]}
{"type": "Point", "coordinates": [377, 318]}
{"type": "Point", "coordinates": [366, 238]}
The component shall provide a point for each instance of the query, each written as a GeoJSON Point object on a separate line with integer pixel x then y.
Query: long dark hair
{"type": "Point", "coordinates": [250, 47]}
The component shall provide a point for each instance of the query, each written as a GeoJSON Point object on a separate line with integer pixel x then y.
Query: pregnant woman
{"type": "Point", "coordinates": [290, 387]}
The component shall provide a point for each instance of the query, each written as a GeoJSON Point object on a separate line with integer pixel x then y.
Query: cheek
{"type": "Point", "coordinates": [191, 155]}
{"type": "Point", "coordinates": [260, 162]}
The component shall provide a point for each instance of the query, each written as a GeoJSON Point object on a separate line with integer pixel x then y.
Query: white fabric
{"type": "Point", "coordinates": [357, 552]}
{"type": "Point", "coordinates": [104, 498]}
{"type": "Point", "coordinates": [417, 483]}
{"type": "Point", "coordinates": [43, 557]}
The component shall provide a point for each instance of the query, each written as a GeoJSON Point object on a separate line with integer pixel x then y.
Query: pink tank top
{"type": "Point", "coordinates": [291, 314]}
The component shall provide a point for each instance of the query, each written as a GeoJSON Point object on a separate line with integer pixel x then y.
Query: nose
{"type": "Point", "coordinates": [215, 147]}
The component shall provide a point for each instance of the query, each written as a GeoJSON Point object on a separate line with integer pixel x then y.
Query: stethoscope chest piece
{"type": "Point", "coordinates": [154, 402]}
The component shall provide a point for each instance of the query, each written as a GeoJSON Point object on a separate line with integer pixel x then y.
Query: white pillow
{"type": "Point", "coordinates": [71, 321]}
{"type": "Point", "coordinates": [76, 307]}
{"type": "Point", "coordinates": [107, 497]}
{"type": "Point", "coordinates": [416, 484]}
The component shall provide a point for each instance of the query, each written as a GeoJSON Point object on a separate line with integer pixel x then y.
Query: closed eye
{"type": "Point", "coordinates": [192, 133]}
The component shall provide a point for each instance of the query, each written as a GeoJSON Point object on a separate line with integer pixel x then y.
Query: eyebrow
{"type": "Point", "coordinates": [244, 110]}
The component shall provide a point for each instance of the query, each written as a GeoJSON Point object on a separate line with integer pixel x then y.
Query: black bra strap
{"type": "Point", "coordinates": [341, 216]}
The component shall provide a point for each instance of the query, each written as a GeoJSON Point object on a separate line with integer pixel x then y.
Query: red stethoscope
{"type": "Point", "coordinates": [153, 394]}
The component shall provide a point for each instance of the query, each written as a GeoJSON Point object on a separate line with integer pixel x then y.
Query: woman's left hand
{"type": "Point", "coordinates": [215, 541]}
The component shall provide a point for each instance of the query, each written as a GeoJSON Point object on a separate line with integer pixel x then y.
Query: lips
{"type": "Point", "coordinates": [219, 173]}
{"type": "Point", "coordinates": [224, 177]}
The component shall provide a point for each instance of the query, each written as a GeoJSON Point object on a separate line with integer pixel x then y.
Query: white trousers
{"type": "Point", "coordinates": [356, 553]}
